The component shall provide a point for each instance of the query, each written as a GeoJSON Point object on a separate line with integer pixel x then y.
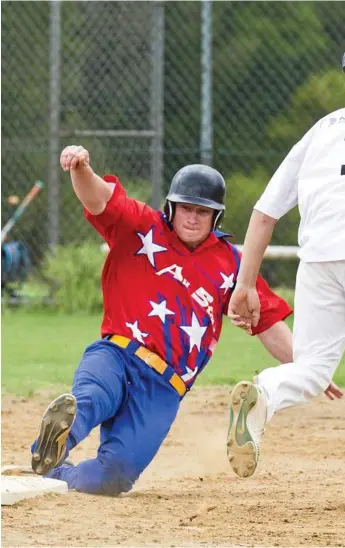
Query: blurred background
{"type": "Point", "coordinates": [149, 87]}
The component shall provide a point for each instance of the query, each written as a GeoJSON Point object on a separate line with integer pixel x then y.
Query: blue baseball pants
{"type": "Point", "coordinates": [135, 407]}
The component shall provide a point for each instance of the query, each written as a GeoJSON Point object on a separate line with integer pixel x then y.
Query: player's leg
{"type": "Point", "coordinates": [99, 387]}
{"type": "Point", "coordinates": [131, 440]}
{"type": "Point", "coordinates": [318, 337]}
{"type": "Point", "coordinates": [318, 341]}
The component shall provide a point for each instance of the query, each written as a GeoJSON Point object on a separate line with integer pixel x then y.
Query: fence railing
{"type": "Point", "coordinates": [149, 87]}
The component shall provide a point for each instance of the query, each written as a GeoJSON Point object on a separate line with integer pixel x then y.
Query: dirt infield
{"type": "Point", "coordinates": [189, 496]}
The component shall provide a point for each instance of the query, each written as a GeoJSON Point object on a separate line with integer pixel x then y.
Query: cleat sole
{"type": "Point", "coordinates": [54, 429]}
{"type": "Point", "coordinates": [241, 450]}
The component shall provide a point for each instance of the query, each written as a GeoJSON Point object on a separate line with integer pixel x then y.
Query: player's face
{"type": "Point", "coordinates": [192, 223]}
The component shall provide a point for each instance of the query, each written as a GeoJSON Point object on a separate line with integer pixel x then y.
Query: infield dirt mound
{"type": "Point", "coordinates": [189, 495]}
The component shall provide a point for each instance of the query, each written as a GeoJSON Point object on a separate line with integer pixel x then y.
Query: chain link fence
{"type": "Point", "coordinates": [149, 87]}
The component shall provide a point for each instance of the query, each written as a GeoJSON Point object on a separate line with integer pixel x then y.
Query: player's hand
{"type": "Point", "coordinates": [333, 392]}
{"type": "Point", "coordinates": [240, 322]}
{"type": "Point", "coordinates": [244, 307]}
{"type": "Point", "coordinates": [74, 157]}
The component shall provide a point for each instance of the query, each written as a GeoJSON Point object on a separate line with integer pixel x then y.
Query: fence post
{"type": "Point", "coordinates": [157, 103]}
{"type": "Point", "coordinates": [54, 124]}
{"type": "Point", "coordinates": [206, 124]}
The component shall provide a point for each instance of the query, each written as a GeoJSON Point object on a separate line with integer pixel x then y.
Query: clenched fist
{"type": "Point", "coordinates": [74, 157]}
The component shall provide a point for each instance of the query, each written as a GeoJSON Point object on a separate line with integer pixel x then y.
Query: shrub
{"type": "Point", "coordinates": [77, 271]}
{"type": "Point", "coordinates": [242, 193]}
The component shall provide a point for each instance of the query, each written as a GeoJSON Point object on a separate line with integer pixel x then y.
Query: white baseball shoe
{"type": "Point", "coordinates": [248, 413]}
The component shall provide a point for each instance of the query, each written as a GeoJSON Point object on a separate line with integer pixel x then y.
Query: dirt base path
{"type": "Point", "coordinates": [189, 495]}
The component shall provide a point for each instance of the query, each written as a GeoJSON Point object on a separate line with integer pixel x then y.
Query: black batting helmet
{"type": "Point", "coordinates": [200, 185]}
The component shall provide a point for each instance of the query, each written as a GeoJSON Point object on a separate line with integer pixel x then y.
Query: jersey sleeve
{"type": "Point", "coordinates": [121, 211]}
{"type": "Point", "coordinates": [273, 308]}
{"type": "Point", "coordinates": [281, 193]}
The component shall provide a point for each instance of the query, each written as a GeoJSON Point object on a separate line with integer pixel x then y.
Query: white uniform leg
{"type": "Point", "coordinates": [318, 337]}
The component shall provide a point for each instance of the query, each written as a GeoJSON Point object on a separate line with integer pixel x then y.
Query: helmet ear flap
{"type": "Point", "coordinates": [169, 210]}
{"type": "Point", "coordinates": [218, 217]}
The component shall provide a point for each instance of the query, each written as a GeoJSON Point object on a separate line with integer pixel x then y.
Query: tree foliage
{"type": "Point", "coordinates": [275, 71]}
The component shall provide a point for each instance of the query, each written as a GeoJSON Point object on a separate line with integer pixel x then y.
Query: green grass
{"type": "Point", "coordinates": [42, 350]}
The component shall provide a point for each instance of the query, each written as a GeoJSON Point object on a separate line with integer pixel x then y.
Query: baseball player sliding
{"type": "Point", "coordinates": [312, 176]}
{"type": "Point", "coordinates": [166, 285]}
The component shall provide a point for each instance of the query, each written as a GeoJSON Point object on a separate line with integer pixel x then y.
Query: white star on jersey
{"type": "Point", "coordinates": [195, 332]}
{"type": "Point", "coordinates": [228, 282]}
{"type": "Point", "coordinates": [190, 374]}
{"type": "Point", "coordinates": [149, 247]}
{"type": "Point", "coordinates": [137, 334]}
{"type": "Point", "coordinates": [160, 310]}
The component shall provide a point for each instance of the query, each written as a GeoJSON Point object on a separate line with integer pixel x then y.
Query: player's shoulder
{"type": "Point", "coordinates": [227, 246]}
{"type": "Point", "coordinates": [228, 257]}
{"type": "Point", "coordinates": [150, 217]}
{"type": "Point", "coordinates": [332, 118]}
{"type": "Point", "coordinates": [324, 128]}
{"type": "Point", "coordinates": [222, 236]}
{"type": "Point", "coordinates": [222, 239]}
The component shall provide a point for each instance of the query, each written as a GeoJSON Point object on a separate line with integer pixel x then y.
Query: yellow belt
{"type": "Point", "coordinates": [153, 361]}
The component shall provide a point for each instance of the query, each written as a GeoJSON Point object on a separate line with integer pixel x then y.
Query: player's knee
{"type": "Point", "coordinates": [117, 476]}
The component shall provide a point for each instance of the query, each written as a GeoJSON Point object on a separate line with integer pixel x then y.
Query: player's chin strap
{"type": "Point", "coordinates": [169, 210]}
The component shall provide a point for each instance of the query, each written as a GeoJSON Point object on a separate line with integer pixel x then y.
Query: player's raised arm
{"type": "Point", "coordinates": [93, 192]}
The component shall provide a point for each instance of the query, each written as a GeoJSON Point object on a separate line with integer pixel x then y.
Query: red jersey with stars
{"type": "Point", "coordinates": [167, 297]}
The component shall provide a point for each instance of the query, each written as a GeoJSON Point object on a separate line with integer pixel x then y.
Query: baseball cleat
{"type": "Point", "coordinates": [56, 424]}
{"type": "Point", "coordinates": [248, 413]}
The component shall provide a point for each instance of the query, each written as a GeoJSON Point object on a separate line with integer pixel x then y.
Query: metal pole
{"type": "Point", "coordinates": [54, 124]}
{"type": "Point", "coordinates": [206, 124]}
{"type": "Point", "coordinates": [157, 104]}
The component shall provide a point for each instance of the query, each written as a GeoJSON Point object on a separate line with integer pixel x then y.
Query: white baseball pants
{"type": "Point", "coordinates": [318, 337]}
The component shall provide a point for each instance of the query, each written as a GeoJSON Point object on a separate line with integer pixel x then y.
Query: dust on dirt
{"type": "Point", "coordinates": [189, 496]}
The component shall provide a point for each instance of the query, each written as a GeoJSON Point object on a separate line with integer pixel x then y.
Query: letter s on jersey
{"type": "Point", "coordinates": [202, 297]}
